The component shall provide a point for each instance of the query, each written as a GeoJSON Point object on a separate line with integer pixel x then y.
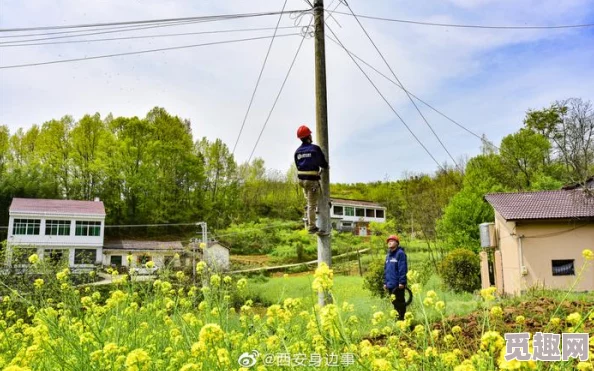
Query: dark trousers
{"type": "Point", "coordinates": [399, 302]}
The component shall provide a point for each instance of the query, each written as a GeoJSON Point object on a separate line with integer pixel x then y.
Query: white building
{"type": "Point", "coordinates": [355, 215]}
{"type": "Point", "coordinates": [56, 229]}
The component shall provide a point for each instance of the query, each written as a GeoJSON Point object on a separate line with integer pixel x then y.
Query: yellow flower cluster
{"type": "Point", "coordinates": [173, 327]}
{"type": "Point", "coordinates": [323, 279]}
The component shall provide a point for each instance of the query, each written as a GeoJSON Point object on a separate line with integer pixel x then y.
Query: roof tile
{"type": "Point", "coordinates": [38, 205]}
{"type": "Point", "coordinates": [561, 204]}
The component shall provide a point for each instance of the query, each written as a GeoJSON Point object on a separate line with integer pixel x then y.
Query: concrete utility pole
{"type": "Point", "coordinates": [195, 241]}
{"type": "Point", "coordinates": [324, 250]}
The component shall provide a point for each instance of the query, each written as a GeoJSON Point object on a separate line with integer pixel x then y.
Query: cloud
{"type": "Point", "coordinates": [485, 79]}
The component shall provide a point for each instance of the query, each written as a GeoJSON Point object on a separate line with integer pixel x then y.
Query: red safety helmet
{"type": "Point", "coordinates": [393, 237]}
{"type": "Point", "coordinates": [303, 132]}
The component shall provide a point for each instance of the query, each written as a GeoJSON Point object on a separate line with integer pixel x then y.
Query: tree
{"type": "Point", "coordinates": [569, 127]}
{"type": "Point", "coordinates": [91, 143]}
{"type": "Point", "coordinates": [524, 155]}
{"type": "Point", "coordinates": [4, 148]}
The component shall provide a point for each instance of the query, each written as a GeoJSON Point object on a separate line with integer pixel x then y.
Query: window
{"type": "Point", "coordinates": [26, 226]}
{"type": "Point", "coordinates": [563, 268]}
{"type": "Point", "coordinates": [349, 211]}
{"type": "Point", "coordinates": [143, 259]}
{"type": "Point", "coordinates": [116, 260]}
{"type": "Point", "coordinates": [86, 228]}
{"type": "Point", "coordinates": [370, 213]}
{"type": "Point", "coordinates": [57, 227]}
{"type": "Point", "coordinates": [84, 256]}
{"type": "Point", "coordinates": [379, 213]}
{"type": "Point", "coordinates": [55, 256]}
{"type": "Point", "coordinates": [360, 212]}
{"type": "Point", "coordinates": [338, 210]}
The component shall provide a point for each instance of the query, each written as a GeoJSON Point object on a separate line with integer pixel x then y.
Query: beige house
{"type": "Point", "coordinates": [537, 240]}
{"type": "Point", "coordinates": [134, 255]}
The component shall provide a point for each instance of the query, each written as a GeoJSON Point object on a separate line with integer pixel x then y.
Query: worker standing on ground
{"type": "Point", "coordinates": [395, 271]}
{"type": "Point", "coordinates": [310, 161]}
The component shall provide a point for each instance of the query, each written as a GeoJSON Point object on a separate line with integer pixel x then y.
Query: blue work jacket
{"type": "Point", "coordinates": [395, 269]}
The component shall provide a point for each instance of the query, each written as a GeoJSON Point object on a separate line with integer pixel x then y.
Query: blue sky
{"type": "Point", "coordinates": [484, 79]}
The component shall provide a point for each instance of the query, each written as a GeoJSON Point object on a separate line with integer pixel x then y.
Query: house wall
{"type": "Point", "coordinates": [355, 218]}
{"type": "Point", "coordinates": [218, 256]}
{"type": "Point", "coordinates": [540, 242]}
{"type": "Point", "coordinates": [42, 239]}
{"type": "Point", "coordinates": [508, 248]}
{"type": "Point", "coordinates": [156, 257]}
{"type": "Point", "coordinates": [544, 242]}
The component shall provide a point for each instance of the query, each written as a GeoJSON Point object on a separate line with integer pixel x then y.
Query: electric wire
{"type": "Point", "coordinates": [258, 80]}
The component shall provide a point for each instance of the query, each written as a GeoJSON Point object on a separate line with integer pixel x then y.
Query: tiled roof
{"type": "Point", "coordinates": [38, 205]}
{"type": "Point", "coordinates": [562, 204]}
{"type": "Point", "coordinates": [143, 245]}
{"type": "Point", "coordinates": [354, 202]}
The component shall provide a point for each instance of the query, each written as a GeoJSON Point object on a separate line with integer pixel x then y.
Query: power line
{"type": "Point", "coordinates": [78, 31]}
{"type": "Point", "coordinates": [397, 79]}
{"type": "Point", "coordinates": [468, 25]}
{"type": "Point", "coordinates": [387, 102]}
{"type": "Point", "coordinates": [278, 95]}
{"type": "Point", "coordinates": [146, 225]}
{"type": "Point", "coordinates": [413, 95]}
{"type": "Point", "coordinates": [232, 16]}
{"type": "Point", "coordinates": [152, 36]}
{"type": "Point", "coordinates": [141, 52]}
{"type": "Point", "coordinates": [259, 78]}
{"type": "Point", "coordinates": [109, 30]}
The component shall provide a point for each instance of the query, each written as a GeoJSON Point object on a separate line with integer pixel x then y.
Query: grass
{"type": "Point", "coordinates": [350, 289]}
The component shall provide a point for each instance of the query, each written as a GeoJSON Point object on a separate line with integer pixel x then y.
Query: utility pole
{"type": "Point", "coordinates": [194, 244]}
{"type": "Point", "coordinates": [324, 250]}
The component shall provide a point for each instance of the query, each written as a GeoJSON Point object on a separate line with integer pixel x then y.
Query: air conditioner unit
{"type": "Point", "coordinates": [488, 237]}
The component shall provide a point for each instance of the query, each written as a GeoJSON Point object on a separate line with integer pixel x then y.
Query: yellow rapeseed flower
{"type": "Point", "coordinates": [378, 317]}
{"type": "Point", "coordinates": [34, 259]}
{"type": "Point", "coordinates": [456, 329]}
{"type": "Point", "coordinates": [191, 367]}
{"type": "Point", "coordinates": [200, 266]}
{"type": "Point", "coordinates": [323, 278]}
{"type": "Point", "coordinates": [211, 332]}
{"type": "Point", "coordinates": [465, 366]}
{"type": "Point", "coordinates": [412, 275]}
{"type": "Point", "coordinates": [38, 283]}
{"type": "Point", "coordinates": [588, 254]}
{"type": "Point", "coordinates": [440, 305]}
{"type": "Point", "coordinates": [520, 320]}
{"type": "Point", "coordinates": [492, 342]}
{"type": "Point", "coordinates": [215, 280]}
{"type": "Point", "coordinates": [63, 274]}
{"type": "Point", "coordinates": [496, 311]}
{"type": "Point", "coordinates": [381, 365]}
{"type": "Point", "coordinates": [574, 318]}
{"type": "Point", "coordinates": [137, 359]}
{"type": "Point", "coordinates": [241, 284]}
{"type": "Point", "coordinates": [488, 293]}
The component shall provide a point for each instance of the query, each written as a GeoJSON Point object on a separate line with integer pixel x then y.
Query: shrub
{"type": "Point", "coordinates": [460, 270]}
{"type": "Point", "coordinates": [374, 277]}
